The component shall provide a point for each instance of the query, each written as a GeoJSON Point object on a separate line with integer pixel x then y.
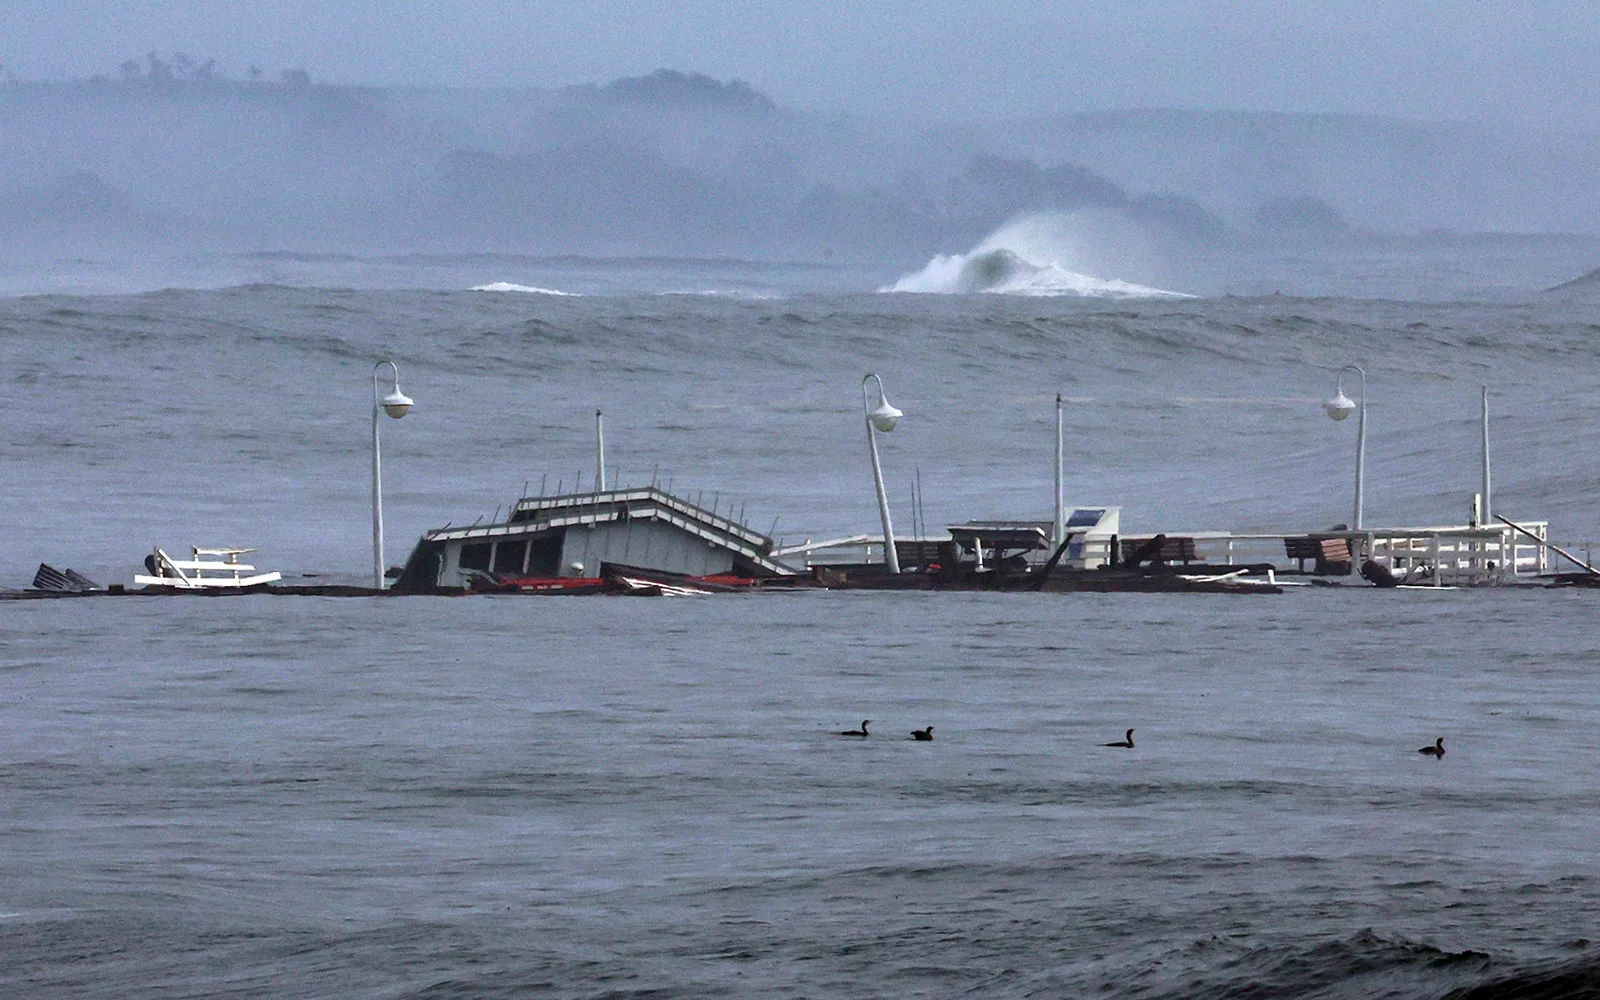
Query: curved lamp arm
{"type": "Point", "coordinates": [885, 416]}
{"type": "Point", "coordinates": [396, 403]}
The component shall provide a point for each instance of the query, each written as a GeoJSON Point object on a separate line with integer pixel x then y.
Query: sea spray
{"type": "Point", "coordinates": [1043, 254]}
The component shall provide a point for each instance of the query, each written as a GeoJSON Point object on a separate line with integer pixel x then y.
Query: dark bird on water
{"type": "Point", "coordinates": [926, 735]}
{"type": "Point", "coordinates": [1436, 751]}
{"type": "Point", "coordinates": [857, 732]}
{"type": "Point", "coordinates": [1126, 744]}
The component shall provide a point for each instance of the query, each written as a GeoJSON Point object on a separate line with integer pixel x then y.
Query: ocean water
{"type": "Point", "coordinates": [502, 796]}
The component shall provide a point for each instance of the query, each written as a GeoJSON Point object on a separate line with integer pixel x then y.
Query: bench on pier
{"type": "Point", "coordinates": [1331, 555]}
{"type": "Point", "coordinates": [190, 574]}
{"type": "Point", "coordinates": [1174, 548]}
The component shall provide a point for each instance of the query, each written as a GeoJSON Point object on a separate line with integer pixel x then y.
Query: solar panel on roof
{"type": "Point", "coordinates": [1086, 517]}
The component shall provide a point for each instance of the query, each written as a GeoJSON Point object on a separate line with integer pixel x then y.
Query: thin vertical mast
{"type": "Point", "coordinates": [1487, 508]}
{"type": "Point", "coordinates": [1061, 514]}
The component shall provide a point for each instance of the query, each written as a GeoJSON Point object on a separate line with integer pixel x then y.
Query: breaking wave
{"type": "Point", "coordinates": [1030, 256]}
{"type": "Point", "coordinates": [507, 286]}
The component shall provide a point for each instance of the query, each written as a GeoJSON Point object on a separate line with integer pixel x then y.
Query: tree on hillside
{"type": "Point", "coordinates": [672, 87]}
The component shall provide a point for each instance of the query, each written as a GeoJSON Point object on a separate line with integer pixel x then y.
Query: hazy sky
{"type": "Point", "coordinates": [1528, 63]}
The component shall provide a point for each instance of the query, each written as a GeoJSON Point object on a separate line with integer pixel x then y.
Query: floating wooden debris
{"type": "Point", "coordinates": [56, 581]}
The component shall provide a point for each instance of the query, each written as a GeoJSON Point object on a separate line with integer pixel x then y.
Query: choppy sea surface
{"type": "Point", "coordinates": [498, 796]}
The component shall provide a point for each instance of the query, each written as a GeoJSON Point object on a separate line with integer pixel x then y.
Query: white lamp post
{"type": "Point", "coordinates": [881, 419]}
{"type": "Point", "coordinates": [1340, 407]}
{"type": "Point", "coordinates": [395, 404]}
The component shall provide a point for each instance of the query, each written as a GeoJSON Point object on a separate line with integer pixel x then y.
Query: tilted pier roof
{"type": "Point", "coordinates": [532, 514]}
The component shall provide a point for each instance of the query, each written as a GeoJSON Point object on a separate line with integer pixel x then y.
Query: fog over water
{"type": "Point", "coordinates": [182, 142]}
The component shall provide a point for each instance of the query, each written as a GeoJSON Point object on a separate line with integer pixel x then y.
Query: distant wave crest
{"type": "Point", "coordinates": [1023, 258]}
{"type": "Point", "coordinates": [726, 293]}
{"type": "Point", "coordinates": [1583, 283]}
{"type": "Point", "coordinates": [507, 286]}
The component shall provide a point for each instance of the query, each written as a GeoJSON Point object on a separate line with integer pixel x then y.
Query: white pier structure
{"type": "Point", "coordinates": [1430, 555]}
{"type": "Point", "coordinates": [1460, 555]}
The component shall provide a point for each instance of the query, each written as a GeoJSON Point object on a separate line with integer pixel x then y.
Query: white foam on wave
{"type": "Point", "coordinates": [724, 293]}
{"type": "Point", "coordinates": [507, 286]}
{"type": "Point", "coordinates": [1030, 256]}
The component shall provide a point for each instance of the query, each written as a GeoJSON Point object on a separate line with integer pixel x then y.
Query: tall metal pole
{"type": "Point", "coordinates": [377, 481]}
{"type": "Point", "coordinates": [890, 556]}
{"type": "Point", "coordinates": [1361, 445]}
{"type": "Point", "coordinates": [599, 452]}
{"type": "Point", "coordinates": [1487, 508]}
{"type": "Point", "coordinates": [1061, 512]}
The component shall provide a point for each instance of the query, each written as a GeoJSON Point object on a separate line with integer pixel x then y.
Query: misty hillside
{"type": "Point", "coordinates": [172, 155]}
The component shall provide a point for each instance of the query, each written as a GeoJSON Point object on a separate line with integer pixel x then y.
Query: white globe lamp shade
{"type": "Point", "coordinates": [1339, 406]}
{"type": "Point", "coordinates": [885, 417]}
{"type": "Point", "coordinates": [396, 404]}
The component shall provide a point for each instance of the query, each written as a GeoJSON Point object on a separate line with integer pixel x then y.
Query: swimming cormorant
{"type": "Point", "coordinates": [857, 732]}
{"type": "Point", "coordinates": [1126, 744]}
{"type": "Point", "coordinates": [926, 735]}
{"type": "Point", "coordinates": [1437, 750]}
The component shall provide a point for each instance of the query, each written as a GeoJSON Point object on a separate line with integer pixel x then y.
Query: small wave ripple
{"type": "Point", "coordinates": [1363, 964]}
